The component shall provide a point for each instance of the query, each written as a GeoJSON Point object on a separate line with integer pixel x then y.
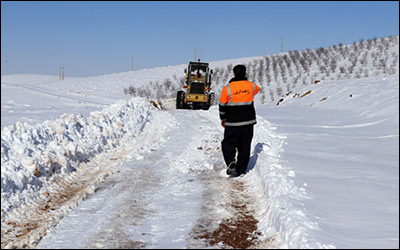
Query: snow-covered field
{"type": "Point", "coordinates": [85, 166]}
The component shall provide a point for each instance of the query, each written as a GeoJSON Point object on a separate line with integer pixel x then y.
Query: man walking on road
{"type": "Point", "coordinates": [238, 116]}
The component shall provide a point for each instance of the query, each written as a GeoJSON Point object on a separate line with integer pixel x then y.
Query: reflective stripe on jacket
{"type": "Point", "coordinates": [236, 103]}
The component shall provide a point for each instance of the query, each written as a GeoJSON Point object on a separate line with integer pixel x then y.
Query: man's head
{"type": "Point", "coordinates": [239, 70]}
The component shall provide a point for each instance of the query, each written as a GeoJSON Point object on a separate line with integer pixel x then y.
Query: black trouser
{"type": "Point", "coordinates": [237, 139]}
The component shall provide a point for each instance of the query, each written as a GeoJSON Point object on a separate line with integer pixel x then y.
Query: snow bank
{"type": "Point", "coordinates": [32, 156]}
{"type": "Point", "coordinates": [282, 217]}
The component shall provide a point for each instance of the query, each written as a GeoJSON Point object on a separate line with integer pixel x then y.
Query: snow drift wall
{"type": "Point", "coordinates": [32, 155]}
{"type": "Point", "coordinates": [282, 216]}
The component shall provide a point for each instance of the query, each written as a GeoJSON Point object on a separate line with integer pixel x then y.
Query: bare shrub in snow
{"type": "Point", "coordinates": [271, 94]}
{"type": "Point", "coordinates": [279, 91]}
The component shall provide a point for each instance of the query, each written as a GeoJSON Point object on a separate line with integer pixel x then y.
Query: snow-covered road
{"type": "Point", "coordinates": [177, 195]}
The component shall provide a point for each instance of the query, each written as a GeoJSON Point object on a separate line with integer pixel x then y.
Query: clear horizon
{"type": "Point", "coordinates": [97, 38]}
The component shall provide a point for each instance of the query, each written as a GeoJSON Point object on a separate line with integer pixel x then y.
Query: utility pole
{"type": "Point", "coordinates": [194, 54]}
{"type": "Point", "coordinates": [132, 64]}
{"type": "Point", "coordinates": [61, 75]}
{"type": "Point", "coordinates": [281, 44]}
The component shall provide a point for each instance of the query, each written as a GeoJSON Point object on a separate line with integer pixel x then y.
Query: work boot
{"type": "Point", "coordinates": [231, 168]}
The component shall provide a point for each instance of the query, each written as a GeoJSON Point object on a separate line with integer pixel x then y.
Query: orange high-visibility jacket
{"type": "Point", "coordinates": [236, 103]}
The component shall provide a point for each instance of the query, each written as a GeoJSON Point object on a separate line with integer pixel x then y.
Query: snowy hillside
{"type": "Point", "coordinates": [281, 73]}
{"type": "Point", "coordinates": [86, 165]}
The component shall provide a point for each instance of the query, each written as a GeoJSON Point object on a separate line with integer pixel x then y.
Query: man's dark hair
{"type": "Point", "coordinates": [239, 70]}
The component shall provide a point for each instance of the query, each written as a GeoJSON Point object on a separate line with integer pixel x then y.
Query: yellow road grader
{"type": "Point", "coordinates": [198, 82]}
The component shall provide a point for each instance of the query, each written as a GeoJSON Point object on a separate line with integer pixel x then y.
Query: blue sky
{"type": "Point", "coordinates": [100, 37]}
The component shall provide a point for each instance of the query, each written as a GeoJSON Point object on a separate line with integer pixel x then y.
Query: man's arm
{"type": "Point", "coordinates": [223, 100]}
{"type": "Point", "coordinates": [257, 89]}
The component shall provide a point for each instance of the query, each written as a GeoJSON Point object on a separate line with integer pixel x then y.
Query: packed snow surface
{"type": "Point", "coordinates": [324, 169]}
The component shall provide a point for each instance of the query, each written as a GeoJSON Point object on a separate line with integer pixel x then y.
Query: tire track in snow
{"type": "Point", "coordinates": [64, 195]}
{"type": "Point", "coordinates": [227, 218]}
